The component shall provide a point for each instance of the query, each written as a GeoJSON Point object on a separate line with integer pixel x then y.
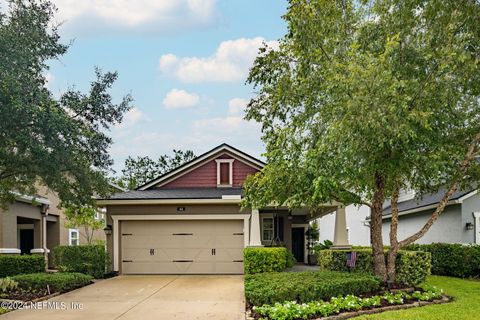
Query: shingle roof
{"type": "Point", "coordinates": [177, 193]}
{"type": "Point", "coordinates": [425, 201]}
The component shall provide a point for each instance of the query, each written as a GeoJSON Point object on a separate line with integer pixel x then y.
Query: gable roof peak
{"type": "Point", "coordinates": [201, 158]}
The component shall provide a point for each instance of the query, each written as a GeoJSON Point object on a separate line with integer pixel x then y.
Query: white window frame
{"type": "Point", "coordinates": [230, 176]}
{"type": "Point", "coordinates": [71, 239]}
{"type": "Point", "coordinates": [263, 228]}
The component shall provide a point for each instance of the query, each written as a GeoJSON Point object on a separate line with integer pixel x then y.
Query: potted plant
{"type": "Point", "coordinates": [313, 235]}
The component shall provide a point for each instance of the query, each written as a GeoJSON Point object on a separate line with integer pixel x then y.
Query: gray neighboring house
{"type": "Point", "coordinates": [459, 223]}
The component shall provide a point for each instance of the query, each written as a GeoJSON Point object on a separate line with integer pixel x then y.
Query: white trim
{"type": "Point", "coordinates": [31, 199]}
{"type": "Point", "coordinates": [468, 195]}
{"type": "Point", "coordinates": [305, 227]}
{"type": "Point", "coordinates": [39, 250]}
{"type": "Point", "coordinates": [230, 172]}
{"type": "Point", "coordinates": [117, 218]}
{"type": "Point", "coordinates": [195, 162]}
{"type": "Point", "coordinates": [434, 206]}
{"type": "Point", "coordinates": [476, 216]}
{"type": "Point", "coordinates": [10, 251]}
{"type": "Point", "coordinates": [419, 209]}
{"type": "Point", "coordinates": [167, 201]}
{"type": "Point", "coordinates": [70, 231]}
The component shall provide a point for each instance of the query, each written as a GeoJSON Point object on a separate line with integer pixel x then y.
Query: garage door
{"type": "Point", "coordinates": [182, 247]}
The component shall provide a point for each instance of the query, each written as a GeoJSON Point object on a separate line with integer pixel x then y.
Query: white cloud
{"type": "Point", "coordinates": [230, 62]}
{"type": "Point", "coordinates": [49, 78]}
{"type": "Point", "coordinates": [237, 106]}
{"type": "Point", "coordinates": [144, 15]}
{"type": "Point", "coordinates": [180, 99]}
{"type": "Point", "coordinates": [131, 118]}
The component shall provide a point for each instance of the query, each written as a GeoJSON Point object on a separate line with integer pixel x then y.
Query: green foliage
{"type": "Point", "coordinates": [57, 282]}
{"type": "Point", "coordinates": [455, 260]}
{"type": "Point", "coordinates": [412, 266]}
{"type": "Point", "coordinates": [138, 171]}
{"type": "Point", "coordinates": [59, 142]}
{"type": "Point", "coordinates": [265, 259]}
{"type": "Point", "coordinates": [7, 284]}
{"type": "Point", "coordinates": [362, 98]}
{"type": "Point", "coordinates": [327, 244]}
{"type": "Point", "coordinates": [83, 217]}
{"type": "Point", "coordinates": [15, 264]}
{"type": "Point", "coordinates": [88, 259]}
{"type": "Point", "coordinates": [290, 259]}
{"type": "Point", "coordinates": [291, 310]}
{"type": "Point", "coordinates": [268, 288]}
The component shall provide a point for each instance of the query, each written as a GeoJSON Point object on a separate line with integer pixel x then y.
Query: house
{"type": "Point", "coordinates": [190, 220]}
{"type": "Point", "coordinates": [35, 224]}
{"type": "Point", "coordinates": [459, 223]}
{"type": "Point", "coordinates": [358, 227]}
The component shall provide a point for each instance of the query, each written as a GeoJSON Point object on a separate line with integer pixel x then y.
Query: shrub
{"type": "Point", "coordinates": [57, 282]}
{"type": "Point", "coordinates": [257, 260]}
{"type": "Point", "coordinates": [412, 266]}
{"type": "Point", "coordinates": [7, 284]}
{"type": "Point", "coordinates": [268, 288]}
{"type": "Point", "coordinates": [88, 259]}
{"type": "Point", "coordinates": [290, 259]}
{"type": "Point", "coordinates": [455, 260]}
{"type": "Point", "coordinates": [15, 264]}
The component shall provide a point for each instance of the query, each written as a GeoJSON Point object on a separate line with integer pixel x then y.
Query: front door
{"type": "Point", "coordinates": [26, 240]}
{"type": "Point", "coordinates": [298, 244]}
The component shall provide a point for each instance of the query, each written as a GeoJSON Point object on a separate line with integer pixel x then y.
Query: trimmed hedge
{"type": "Point", "coordinates": [268, 288]}
{"type": "Point", "coordinates": [57, 282]}
{"type": "Point", "coordinates": [87, 259]}
{"type": "Point", "coordinates": [452, 259]}
{"type": "Point", "coordinates": [11, 265]}
{"type": "Point", "coordinates": [265, 259]}
{"type": "Point", "coordinates": [412, 266]}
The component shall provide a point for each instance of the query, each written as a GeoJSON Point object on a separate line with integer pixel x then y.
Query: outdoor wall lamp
{"type": "Point", "coordinates": [108, 230]}
{"type": "Point", "coordinates": [469, 226]}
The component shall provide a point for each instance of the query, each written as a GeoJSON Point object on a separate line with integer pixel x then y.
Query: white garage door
{"type": "Point", "coordinates": [182, 247]}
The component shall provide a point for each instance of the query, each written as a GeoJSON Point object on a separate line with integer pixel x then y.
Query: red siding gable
{"type": "Point", "coordinates": [205, 176]}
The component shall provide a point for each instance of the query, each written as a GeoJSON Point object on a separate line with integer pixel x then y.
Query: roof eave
{"type": "Point", "coordinates": [110, 202]}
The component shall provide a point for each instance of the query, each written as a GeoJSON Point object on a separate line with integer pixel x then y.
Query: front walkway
{"type": "Point", "coordinates": [300, 267]}
{"type": "Point", "coordinates": [148, 297]}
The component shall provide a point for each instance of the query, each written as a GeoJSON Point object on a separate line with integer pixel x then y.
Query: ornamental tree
{"type": "Point", "coordinates": [62, 142]}
{"type": "Point", "coordinates": [84, 218]}
{"type": "Point", "coordinates": [365, 98]}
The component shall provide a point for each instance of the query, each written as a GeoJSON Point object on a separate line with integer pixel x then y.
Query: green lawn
{"type": "Point", "coordinates": [466, 305]}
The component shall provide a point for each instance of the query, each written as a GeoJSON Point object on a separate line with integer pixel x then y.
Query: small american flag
{"type": "Point", "coordinates": [351, 259]}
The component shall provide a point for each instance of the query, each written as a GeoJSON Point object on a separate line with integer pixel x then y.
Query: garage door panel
{"type": "Point", "coordinates": [182, 247]}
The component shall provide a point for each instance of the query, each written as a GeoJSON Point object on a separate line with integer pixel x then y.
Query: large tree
{"type": "Point", "coordinates": [58, 142]}
{"type": "Point", "coordinates": [139, 170]}
{"type": "Point", "coordinates": [366, 98]}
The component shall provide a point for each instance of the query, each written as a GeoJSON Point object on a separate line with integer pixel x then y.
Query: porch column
{"type": "Point", "coordinates": [340, 237]}
{"type": "Point", "coordinates": [255, 239]}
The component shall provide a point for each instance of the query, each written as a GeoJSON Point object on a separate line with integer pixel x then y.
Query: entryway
{"type": "Point", "coordinates": [298, 243]}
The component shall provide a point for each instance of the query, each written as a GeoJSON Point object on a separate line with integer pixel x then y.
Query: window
{"type": "Point", "coordinates": [267, 229]}
{"type": "Point", "coordinates": [224, 172]}
{"type": "Point", "coordinates": [73, 237]}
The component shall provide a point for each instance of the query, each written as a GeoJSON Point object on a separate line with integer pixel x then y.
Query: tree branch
{"type": "Point", "coordinates": [470, 155]}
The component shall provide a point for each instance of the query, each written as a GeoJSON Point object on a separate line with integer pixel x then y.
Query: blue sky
{"type": "Point", "coordinates": [183, 61]}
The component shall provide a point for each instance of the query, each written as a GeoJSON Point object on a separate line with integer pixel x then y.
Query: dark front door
{"type": "Point", "coordinates": [298, 243]}
{"type": "Point", "coordinates": [26, 240]}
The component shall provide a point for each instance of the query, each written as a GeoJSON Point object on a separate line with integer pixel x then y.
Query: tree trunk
{"type": "Point", "coordinates": [394, 246]}
{"type": "Point", "coordinates": [376, 229]}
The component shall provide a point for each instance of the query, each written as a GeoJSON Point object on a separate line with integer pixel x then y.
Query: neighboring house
{"type": "Point", "coordinates": [189, 220]}
{"type": "Point", "coordinates": [358, 228]}
{"type": "Point", "coordinates": [33, 224]}
{"type": "Point", "coordinates": [459, 223]}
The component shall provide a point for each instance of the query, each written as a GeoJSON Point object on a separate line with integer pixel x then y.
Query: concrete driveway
{"type": "Point", "coordinates": [147, 297]}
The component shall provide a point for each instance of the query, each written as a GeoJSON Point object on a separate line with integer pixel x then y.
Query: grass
{"type": "Point", "coordinates": [466, 304]}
